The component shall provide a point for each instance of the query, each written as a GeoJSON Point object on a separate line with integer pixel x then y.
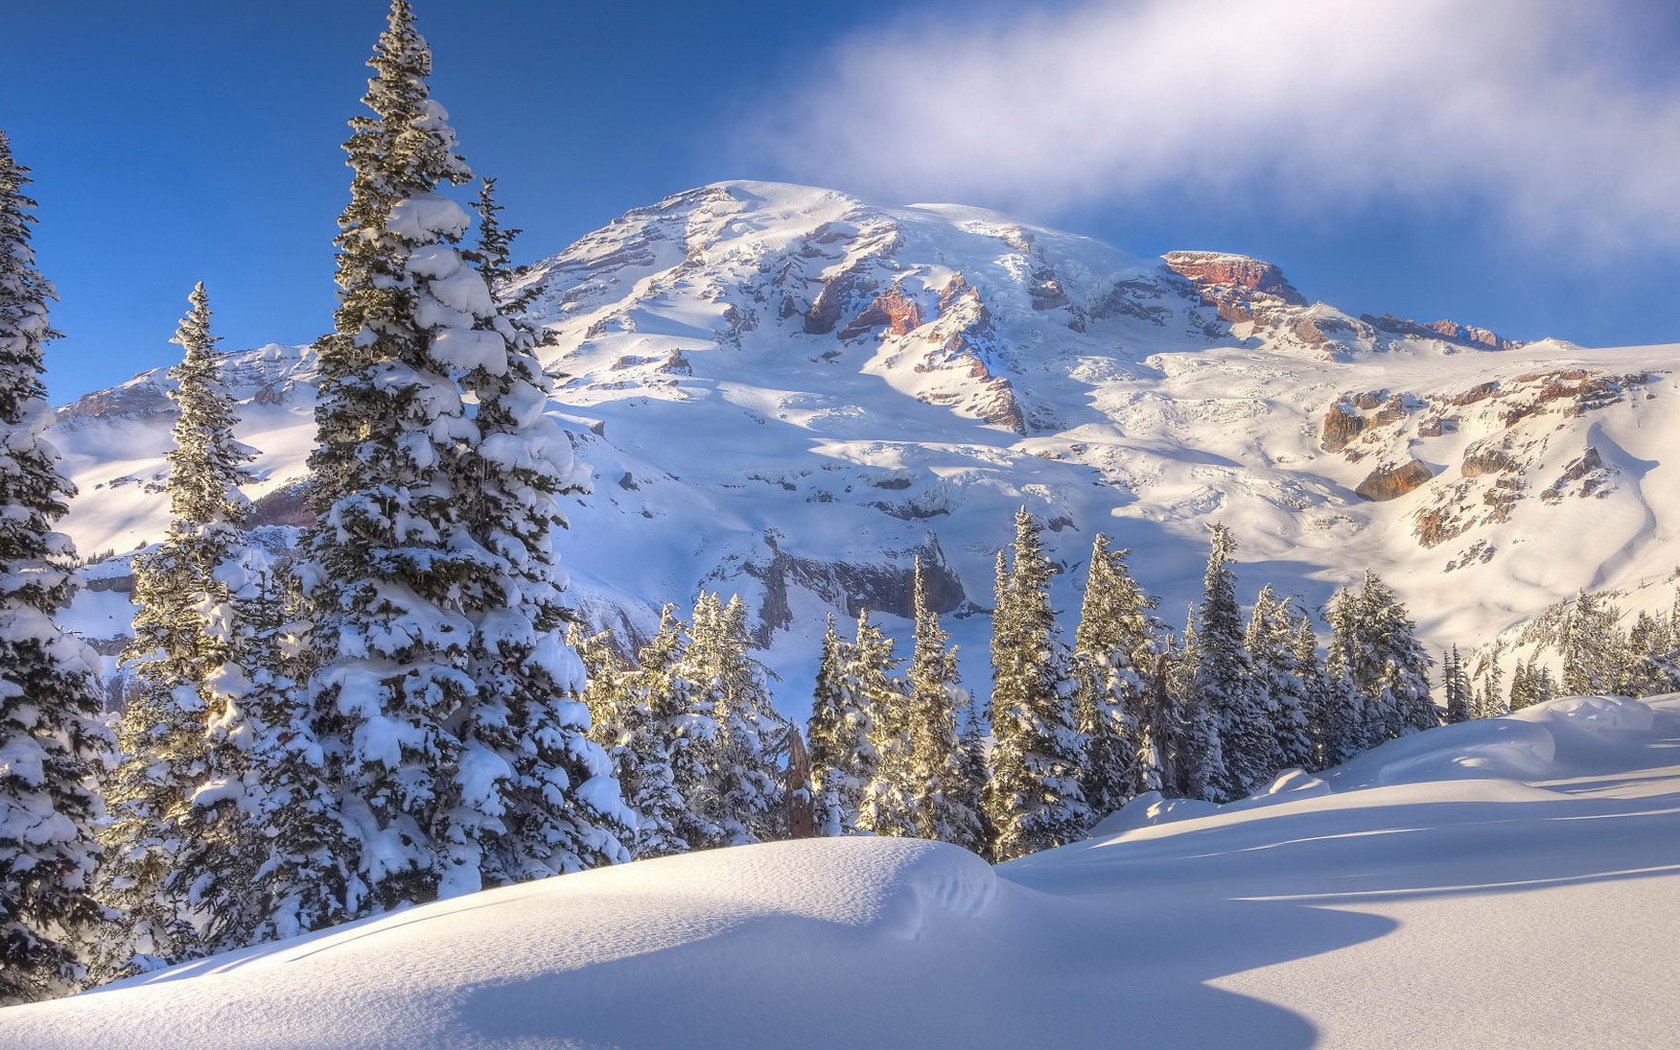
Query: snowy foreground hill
{"type": "Point", "coordinates": [1513, 882]}
{"type": "Point", "coordinates": [786, 392]}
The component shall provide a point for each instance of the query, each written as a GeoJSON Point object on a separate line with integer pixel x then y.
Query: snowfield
{"type": "Point", "coordinates": [1505, 883]}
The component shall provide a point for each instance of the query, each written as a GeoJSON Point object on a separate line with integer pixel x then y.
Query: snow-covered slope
{"type": "Point", "coordinates": [1513, 882]}
{"type": "Point", "coordinates": [788, 392]}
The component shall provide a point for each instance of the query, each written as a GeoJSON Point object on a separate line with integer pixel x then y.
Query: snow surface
{"type": "Point", "coordinates": [1507, 883]}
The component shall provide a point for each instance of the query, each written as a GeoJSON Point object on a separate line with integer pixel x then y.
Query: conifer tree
{"type": "Point", "coordinates": [1283, 680]}
{"type": "Point", "coordinates": [1198, 756]}
{"type": "Point", "coordinates": [742, 797]}
{"type": "Point", "coordinates": [1494, 701]}
{"type": "Point", "coordinates": [49, 702]}
{"type": "Point", "coordinates": [1593, 646]}
{"type": "Point", "coordinates": [666, 761]}
{"type": "Point", "coordinates": [304, 867]}
{"type": "Point", "coordinates": [1224, 683]}
{"type": "Point", "coordinates": [393, 562]}
{"type": "Point", "coordinates": [842, 758]}
{"type": "Point", "coordinates": [1525, 685]}
{"type": "Point", "coordinates": [871, 683]}
{"type": "Point", "coordinates": [542, 798]}
{"type": "Point", "coordinates": [1456, 684]}
{"type": "Point", "coordinates": [1346, 666]}
{"type": "Point", "coordinates": [168, 853]}
{"type": "Point", "coordinates": [1380, 666]}
{"type": "Point", "coordinates": [1315, 694]}
{"type": "Point", "coordinates": [1651, 665]}
{"type": "Point", "coordinates": [1109, 688]}
{"type": "Point", "coordinates": [1032, 798]}
{"type": "Point", "coordinates": [944, 795]}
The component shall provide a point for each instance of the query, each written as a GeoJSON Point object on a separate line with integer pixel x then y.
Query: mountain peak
{"type": "Point", "coordinates": [1204, 268]}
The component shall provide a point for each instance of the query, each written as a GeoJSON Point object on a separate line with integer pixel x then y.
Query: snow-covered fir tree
{"type": "Point", "coordinates": [1272, 639]}
{"type": "Point", "coordinates": [666, 760]}
{"type": "Point", "coordinates": [1197, 752]}
{"type": "Point", "coordinates": [1032, 798]}
{"type": "Point", "coordinates": [842, 758]}
{"type": "Point", "coordinates": [871, 682]}
{"type": "Point", "coordinates": [1491, 699]}
{"type": "Point", "coordinates": [1224, 682]}
{"type": "Point", "coordinates": [175, 839]}
{"type": "Point", "coordinates": [1114, 631]}
{"type": "Point", "coordinates": [944, 794]}
{"type": "Point", "coordinates": [49, 702]}
{"type": "Point", "coordinates": [1315, 692]}
{"type": "Point", "coordinates": [535, 795]}
{"type": "Point", "coordinates": [1379, 666]}
{"type": "Point", "coordinates": [1346, 666]}
{"type": "Point", "coordinates": [304, 864]}
{"type": "Point", "coordinates": [1653, 661]}
{"type": "Point", "coordinates": [1593, 645]}
{"type": "Point", "coordinates": [392, 562]}
{"type": "Point", "coordinates": [743, 794]}
{"type": "Point", "coordinates": [1456, 685]}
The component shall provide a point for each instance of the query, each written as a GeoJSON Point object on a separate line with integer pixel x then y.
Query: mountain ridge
{"type": "Point", "coordinates": [789, 392]}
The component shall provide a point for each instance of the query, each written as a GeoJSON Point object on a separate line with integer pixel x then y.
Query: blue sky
{"type": "Point", "coordinates": [1431, 158]}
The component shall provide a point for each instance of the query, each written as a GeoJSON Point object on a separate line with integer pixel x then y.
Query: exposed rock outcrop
{"type": "Point", "coordinates": [1393, 481]}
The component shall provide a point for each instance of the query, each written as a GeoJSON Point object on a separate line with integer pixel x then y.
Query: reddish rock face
{"type": "Point", "coordinates": [1340, 427]}
{"type": "Point", "coordinates": [891, 309]}
{"type": "Point", "coordinates": [1208, 268]}
{"type": "Point", "coordinates": [1392, 482]}
{"type": "Point", "coordinates": [1453, 332]}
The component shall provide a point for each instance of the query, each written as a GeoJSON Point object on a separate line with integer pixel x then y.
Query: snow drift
{"type": "Point", "coordinates": [1513, 882]}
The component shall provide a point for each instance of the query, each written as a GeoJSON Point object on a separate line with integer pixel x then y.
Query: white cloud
{"type": "Point", "coordinates": [1531, 109]}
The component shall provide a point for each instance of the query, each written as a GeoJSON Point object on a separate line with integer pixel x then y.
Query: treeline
{"type": "Point", "coordinates": [1071, 733]}
{"type": "Point", "coordinates": [1595, 646]}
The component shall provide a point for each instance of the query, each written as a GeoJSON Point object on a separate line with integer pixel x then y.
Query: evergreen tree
{"type": "Point", "coordinates": [1224, 683]}
{"type": "Point", "coordinates": [167, 853]}
{"type": "Point", "coordinates": [871, 683]}
{"type": "Point", "coordinates": [1525, 685]}
{"type": "Point", "coordinates": [1593, 646]}
{"type": "Point", "coordinates": [1456, 684]}
{"type": "Point", "coordinates": [49, 700]}
{"type": "Point", "coordinates": [1494, 701]}
{"type": "Point", "coordinates": [842, 758]}
{"type": "Point", "coordinates": [1652, 666]}
{"type": "Point", "coordinates": [672, 747]}
{"type": "Point", "coordinates": [944, 800]}
{"type": "Point", "coordinates": [1272, 640]}
{"type": "Point", "coordinates": [1316, 695]}
{"type": "Point", "coordinates": [1346, 666]}
{"type": "Point", "coordinates": [535, 795]}
{"type": "Point", "coordinates": [303, 864]}
{"type": "Point", "coordinates": [1376, 658]}
{"type": "Point", "coordinates": [393, 562]}
{"type": "Point", "coordinates": [742, 797]}
{"type": "Point", "coordinates": [1032, 798]}
{"type": "Point", "coordinates": [1114, 632]}
{"type": "Point", "coordinates": [1198, 756]}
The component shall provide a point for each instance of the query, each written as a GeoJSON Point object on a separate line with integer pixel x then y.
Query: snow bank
{"type": "Point", "coordinates": [1514, 882]}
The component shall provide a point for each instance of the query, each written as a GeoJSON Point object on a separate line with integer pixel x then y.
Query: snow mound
{"type": "Point", "coordinates": [1519, 875]}
{"type": "Point", "coordinates": [1149, 809]}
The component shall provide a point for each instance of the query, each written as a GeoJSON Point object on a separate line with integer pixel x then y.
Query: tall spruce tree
{"type": "Point", "coordinates": [171, 858]}
{"type": "Point", "coordinates": [872, 683]}
{"type": "Point", "coordinates": [1272, 640]}
{"type": "Point", "coordinates": [1198, 754]}
{"type": "Point", "coordinates": [1456, 685]}
{"type": "Point", "coordinates": [1315, 694]}
{"type": "Point", "coordinates": [674, 745]}
{"type": "Point", "coordinates": [393, 562]}
{"type": "Point", "coordinates": [944, 800]}
{"type": "Point", "coordinates": [543, 798]}
{"type": "Point", "coordinates": [842, 758]}
{"type": "Point", "coordinates": [1224, 682]}
{"type": "Point", "coordinates": [1114, 632]}
{"type": "Point", "coordinates": [743, 793]}
{"type": "Point", "coordinates": [1346, 667]}
{"type": "Point", "coordinates": [49, 700]}
{"type": "Point", "coordinates": [1378, 667]}
{"type": "Point", "coordinates": [1032, 798]}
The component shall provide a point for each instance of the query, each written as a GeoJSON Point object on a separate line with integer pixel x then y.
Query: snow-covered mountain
{"type": "Point", "coordinates": [788, 392]}
{"type": "Point", "coordinates": [1508, 882]}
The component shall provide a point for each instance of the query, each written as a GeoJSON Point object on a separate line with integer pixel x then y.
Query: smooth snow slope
{"type": "Point", "coordinates": [1508, 883]}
